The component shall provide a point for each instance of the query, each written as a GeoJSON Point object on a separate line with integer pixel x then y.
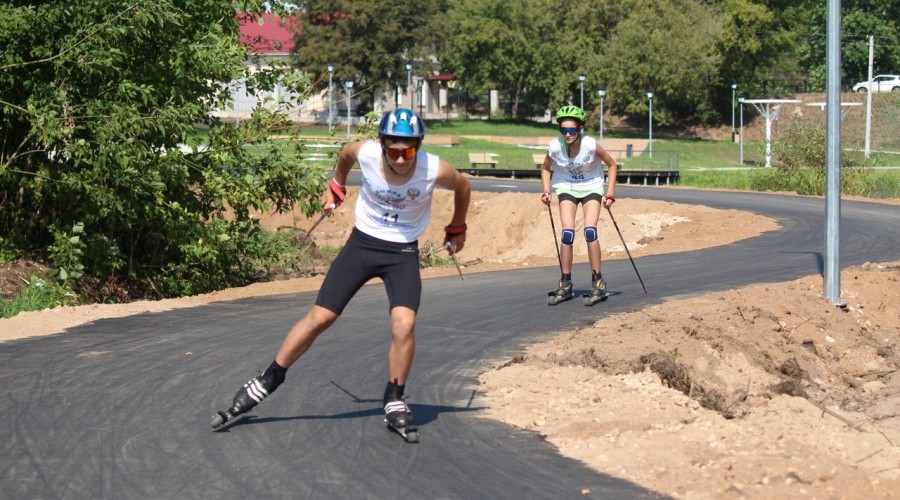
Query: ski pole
{"type": "Point", "coordinates": [326, 213]}
{"type": "Point", "coordinates": [613, 219]}
{"type": "Point", "coordinates": [555, 241]}
{"type": "Point", "coordinates": [455, 262]}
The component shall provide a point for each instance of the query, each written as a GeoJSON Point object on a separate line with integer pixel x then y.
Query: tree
{"type": "Point", "coordinates": [859, 19]}
{"type": "Point", "coordinates": [756, 44]}
{"type": "Point", "coordinates": [101, 166]}
{"type": "Point", "coordinates": [369, 41]}
{"type": "Point", "coordinates": [502, 45]}
{"type": "Point", "coordinates": [666, 45]}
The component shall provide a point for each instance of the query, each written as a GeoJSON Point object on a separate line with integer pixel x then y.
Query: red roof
{"type": "Point", "coordinates": [274, 36]}
{"type": "Point", "coordinates": [443, 77]}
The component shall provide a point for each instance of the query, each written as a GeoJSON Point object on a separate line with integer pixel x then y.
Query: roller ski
{"type": "Point", "coordinates": [397, 416]}
{"type": "Point", "coordinates": [562, 293]}
{"type": "Point", "coordinates": [250, 394]}
{"type": "Point", "coordinates": [598, 293]}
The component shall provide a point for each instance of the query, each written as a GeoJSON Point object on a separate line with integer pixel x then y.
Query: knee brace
{"type": "Point", "coordinates": [568, 236]}
{"type": "Point", "coordinates": [590, 233]}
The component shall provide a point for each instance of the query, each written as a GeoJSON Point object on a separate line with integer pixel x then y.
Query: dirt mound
{"type": "Point", "coordinates": [768, 391]}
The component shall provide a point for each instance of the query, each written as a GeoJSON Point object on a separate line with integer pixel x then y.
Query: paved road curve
{"type": "Point", "coordinates": [120, 408]}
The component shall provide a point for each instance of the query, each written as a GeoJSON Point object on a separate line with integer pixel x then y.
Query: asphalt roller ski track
{"type": "Point", "coordinates": [120, 408]}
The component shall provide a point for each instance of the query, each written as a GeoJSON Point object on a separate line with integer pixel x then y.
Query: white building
{"type": "Point", "coordinates": [432, 94]}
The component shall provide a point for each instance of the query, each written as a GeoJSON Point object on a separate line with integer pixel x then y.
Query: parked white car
{"type": "Point", "coordinates": [881, 83]}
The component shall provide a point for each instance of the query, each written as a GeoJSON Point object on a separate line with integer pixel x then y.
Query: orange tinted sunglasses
{"type": "Point", "coordinates": [406, 153]}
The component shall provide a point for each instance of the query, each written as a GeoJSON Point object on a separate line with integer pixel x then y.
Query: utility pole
{"type": "Point", "coordinates": [650, 141]}
{"type": "Point", "coordinates": [741, 101]}
{"type": "Point", "coordinates": [869, 98]}
{"type": "Point", "coordinates": [832, 264]}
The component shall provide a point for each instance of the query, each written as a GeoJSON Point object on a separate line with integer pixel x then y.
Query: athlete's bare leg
{"type": "Point", "coordinates": [302, 335]}
{"type": "Point", "coordinates": [591, 217]}
{"type": "Point", "coordinates": [567, 219]}
{"type": "Point", "coordinates": [403, 344]}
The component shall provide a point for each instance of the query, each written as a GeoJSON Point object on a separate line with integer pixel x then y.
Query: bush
{"type": "Point", "coordinates": [103, 172]}
{"type": "Point", "coordinates": [799, 160]}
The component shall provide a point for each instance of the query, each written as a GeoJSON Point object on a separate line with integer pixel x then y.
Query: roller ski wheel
{"type": "Point", "coordinates": [590, 299]}
{"type": "Point", "coordinates": [598, 294]}
{"type": "Point", "coordinates": [410, 434]}
{"type": "Point", "coordinates": [398, 418]}
{"type": "Point", "coordinates": [562, 293]}
{"type": "Point", "coordinates": [224, 419]}
{"type": "Point", "coordinates": [553, 298]}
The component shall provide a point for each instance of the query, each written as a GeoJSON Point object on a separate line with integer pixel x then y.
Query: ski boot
{"type": "Point", "coordinates": [598, 292]}
{"type": "Point", "coordinates": [250, 394]}
{"type": "Point", "coordinates": [397, 415]}
{"type": "Point", "coordinates": [562, 293]}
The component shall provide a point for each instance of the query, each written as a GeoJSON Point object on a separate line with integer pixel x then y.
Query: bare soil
{"type": "Point", "coordinates": [761, 392]}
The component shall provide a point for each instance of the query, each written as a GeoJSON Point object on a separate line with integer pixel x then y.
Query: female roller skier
{"type": "Point", "coordinates": [574, 162]}
{"type": "Point", "coordinates": [393, 209]}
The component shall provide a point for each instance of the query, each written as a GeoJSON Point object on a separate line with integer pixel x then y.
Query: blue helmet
{"type": "Point", "coordinates": [401, 122]}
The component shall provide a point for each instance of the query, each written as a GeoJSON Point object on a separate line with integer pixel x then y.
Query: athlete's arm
{"type": "Point", "coordinates": [333, 195]}
{"type": "Point", "coordinates": [448, 177]}
{"type": "Point", "coordinates": [546, 175]}
{"type": "Point", "coordinates": [610, 196]}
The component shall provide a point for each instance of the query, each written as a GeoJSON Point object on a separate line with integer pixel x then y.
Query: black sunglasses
{"type": "Point", "coordinates": [568, 130]}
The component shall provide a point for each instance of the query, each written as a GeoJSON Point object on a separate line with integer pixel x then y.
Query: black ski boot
{"type": "Point", "coordinates": [562, 293]}
{"type": "Point", "coordinates": [397, 415]}
{"type": "Point", "coordinates": [598, 291]}
{"type": "Point", "coordinates": [251, 394]}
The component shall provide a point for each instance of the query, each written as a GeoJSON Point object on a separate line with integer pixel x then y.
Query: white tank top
{"type": "Point", "coordinates": [394, 213]}
{"type": "Point", "coordinates": [583, 172]}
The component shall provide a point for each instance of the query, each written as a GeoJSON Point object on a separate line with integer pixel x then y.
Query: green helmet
{"type": "Point", "coordinates": [570, 112]}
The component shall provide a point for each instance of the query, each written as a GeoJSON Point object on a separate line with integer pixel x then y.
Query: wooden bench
{"type": "Point", "coordinates": [443, 140]}
{"type": "Point", "coordinates": [538, 159]}
{"type": "Point", "coordinates": [476, 159]}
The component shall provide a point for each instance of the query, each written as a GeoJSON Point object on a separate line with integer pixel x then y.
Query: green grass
{"type": "Point", "coordinates": [883, 184]}
{"type": "Point", "coordinates": [703, 163]}
{"type": "Point", "coordinates": [696, 153]}
{"type": "Point", "coordinates": [38, 295]}
{"type": "Point", "coordinates": [489, 127]}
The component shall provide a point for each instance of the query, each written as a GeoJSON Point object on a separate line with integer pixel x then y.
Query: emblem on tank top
{"type": "Point", "coordinates": [575, 168]}
{"type": "Point", "coordinates": [389, 197]}
{"type": "Point", "coordinates": [413, 193]}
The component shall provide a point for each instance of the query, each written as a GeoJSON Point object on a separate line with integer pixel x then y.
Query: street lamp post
{"type": "Point", "coordinates": [349, 96]}
{"type": "Point", "coordinates": [650, 143]}
{"type": "Point", "coordinates": [330, 98]}
{"type": "Point", "coordinates": [741, 100]}
{"type": "Point", "coordinates": [421, 96]}
{"type": "Point", "coordinates": [409, 83]}
{"type": "Point", "coordinates": [601, 92]}
{"type": "Point", "coordinates": [581, 85]}
{"type": "Point", "coordinates": [733, 88]}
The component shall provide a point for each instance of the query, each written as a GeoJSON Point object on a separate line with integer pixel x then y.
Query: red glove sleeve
{"type": "Point", "coordinates": [452, 231]}
{"type": "Point", "coordinates": [339, 192]}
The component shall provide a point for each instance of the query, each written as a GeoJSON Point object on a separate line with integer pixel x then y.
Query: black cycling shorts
{"type": "Point", "coordinates": [365, 257]}
{"type": "Point", "coordinates": [576, 201]}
